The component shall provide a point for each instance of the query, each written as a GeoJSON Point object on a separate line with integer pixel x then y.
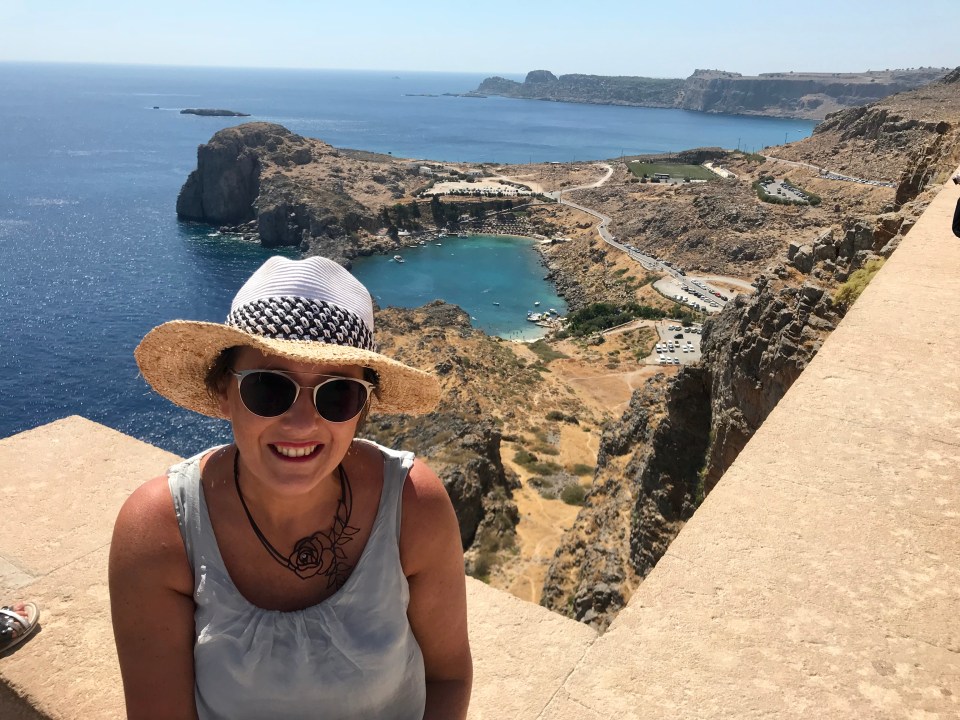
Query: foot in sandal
{"type": "Point", "coordinates": [17, 621]}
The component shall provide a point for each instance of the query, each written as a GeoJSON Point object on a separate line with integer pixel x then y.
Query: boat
{"type": "Point", "coordinates": [397, 258]}
{"type": "Point", "coordinates": [497, 304]}
{"type": "Point", "coordinates": [534, 317]}
{"type": "Point", "coordinates": [439, 244]}
{"type": "Point", "coordinates": [536, 304]}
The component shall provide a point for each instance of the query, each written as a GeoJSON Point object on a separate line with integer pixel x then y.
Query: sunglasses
{"type": "Point", "coordinates": [270, 393]}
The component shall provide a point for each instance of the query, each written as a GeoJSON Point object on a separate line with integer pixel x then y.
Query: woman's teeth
{"type": "Point", "coordinates": [295, 452]}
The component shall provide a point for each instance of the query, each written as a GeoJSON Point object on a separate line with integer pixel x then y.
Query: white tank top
{"type": "Point", "coordinates": [352, 656]}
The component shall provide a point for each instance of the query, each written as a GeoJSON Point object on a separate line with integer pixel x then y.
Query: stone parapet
{"type": "Point", "coordinates": [67, 481]}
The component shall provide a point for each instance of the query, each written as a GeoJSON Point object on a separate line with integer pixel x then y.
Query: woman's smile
{"type": "Point", "coordinates": [297, 452]}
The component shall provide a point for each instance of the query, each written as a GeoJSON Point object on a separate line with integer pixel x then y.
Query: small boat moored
{"type": "Point", "coordinates": [397, 258]}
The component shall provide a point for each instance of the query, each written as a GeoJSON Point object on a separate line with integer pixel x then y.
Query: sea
{"type": "Point", "coordinates": [92, 256]}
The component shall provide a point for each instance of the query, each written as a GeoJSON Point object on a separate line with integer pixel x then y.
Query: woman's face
{"type": "Point", "coordinates": [291, 453]}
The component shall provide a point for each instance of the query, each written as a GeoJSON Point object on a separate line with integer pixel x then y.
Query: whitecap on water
{"type": "Point", "coordinates": [50, 202]}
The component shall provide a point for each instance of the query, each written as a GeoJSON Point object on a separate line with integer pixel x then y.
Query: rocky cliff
{"type": "Point", "coordinates": [799, 95]}
{"type": "Point", "coordinates": [912, 138]}
{"type": "Point", "coordinates": [263, 180]}
{"type": "Point", "coordinates": [459, 440]}
{"type": "Point", "coordinates": [676, 439]}
{"type": "Point", "coordinates": [596, 89]}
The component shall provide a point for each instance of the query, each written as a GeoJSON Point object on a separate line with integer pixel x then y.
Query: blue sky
{"type": "Point", "coordinates": [667, 38]}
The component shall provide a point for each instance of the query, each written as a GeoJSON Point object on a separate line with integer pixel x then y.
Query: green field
{"type": "Point", "coordinates": [694, 172]}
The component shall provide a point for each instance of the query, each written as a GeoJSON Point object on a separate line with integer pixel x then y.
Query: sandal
{"type": "Point", "coordinates": [14, 627]}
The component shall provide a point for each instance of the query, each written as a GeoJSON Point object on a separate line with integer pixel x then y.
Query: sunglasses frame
{"type": "Point", "coordinates": [369, 386]}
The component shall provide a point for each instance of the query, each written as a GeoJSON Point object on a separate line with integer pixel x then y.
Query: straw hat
{"type": "Point", "coordinates": [310, 311]}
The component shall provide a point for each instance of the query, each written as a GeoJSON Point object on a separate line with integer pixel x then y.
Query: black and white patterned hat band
{"type": "Point", "coordinates": [297, 318]}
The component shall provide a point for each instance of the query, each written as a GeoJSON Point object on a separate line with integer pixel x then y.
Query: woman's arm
{"type": "Point", "coordinates": [432, 558]}
{"type": "Point", "coordinates": [151, 602]}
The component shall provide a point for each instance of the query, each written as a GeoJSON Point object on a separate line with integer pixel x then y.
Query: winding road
{"type": "Point", "coordinates": [831, 175]}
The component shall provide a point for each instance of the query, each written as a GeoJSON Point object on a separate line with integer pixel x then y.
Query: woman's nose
{"type": "Point", "coordinates": [303, 410]}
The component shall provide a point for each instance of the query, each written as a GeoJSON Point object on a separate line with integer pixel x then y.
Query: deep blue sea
{"type": "Point", "coordinates": [92, 256]}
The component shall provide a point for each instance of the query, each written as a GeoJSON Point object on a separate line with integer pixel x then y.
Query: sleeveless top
{"type": "Point", "coordinates": [351, 656]}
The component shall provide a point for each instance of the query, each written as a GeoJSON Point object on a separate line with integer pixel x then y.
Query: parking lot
{"type": "Point", "coordinates": [692, 292]}
{"type": "Point", "coordinates": [781, 189]}
{"type": "Point", "coordinates": [677, 345]}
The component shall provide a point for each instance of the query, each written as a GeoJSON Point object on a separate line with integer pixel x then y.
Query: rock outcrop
{"type": "Point", "coordinates": [752, 353]}
{"type": "Point", "coordinates": [226, 184]}
{"type": "Point", "coordinates": [459, 439]}
{"type": "Point", "coordinates": [262, 180]}
{"type": "Point", "coordinates": [678, 441]}
{"type": "Point", "coordinates": [591, 573]}
{"type": "Point", "coordinates": [799, 95]}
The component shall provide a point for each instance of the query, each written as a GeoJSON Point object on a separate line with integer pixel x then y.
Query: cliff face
{"type": "Point", "coordinates": [753, 353]}
{"type": "Point", "coordinates": [675, 441]}
{"type": "Point", "coordinates": [226, 183]}
{"type": "Point", "coordinates": [799, 95]}
{"type": "Point", "coordinates": [786, 95]}
{"type": "Point", "coordinates": [596, 89]}
{"type": "Point", "coordinates": [591, 573]}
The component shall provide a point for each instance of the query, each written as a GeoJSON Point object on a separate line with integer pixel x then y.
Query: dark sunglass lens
{"type": "Point", "coordinates": [340, 400]}
{"type": "Point", "coordinates": [267, 394]}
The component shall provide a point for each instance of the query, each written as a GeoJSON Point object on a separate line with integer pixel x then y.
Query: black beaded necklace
{"type": "Point", "coordinates": [318, 554]}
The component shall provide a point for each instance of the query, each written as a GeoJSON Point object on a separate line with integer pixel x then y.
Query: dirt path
{"type": "Point", "coordinates": [606, 393]}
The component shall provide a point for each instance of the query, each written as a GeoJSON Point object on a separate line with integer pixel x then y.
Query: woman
{"type": "Point", "coordinates": [298, 572]}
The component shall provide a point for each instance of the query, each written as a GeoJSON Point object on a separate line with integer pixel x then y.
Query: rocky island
{"type": "Point", "coordinates": [213, 112]}
{"type": "Point", "coordinates": [802, 95]}
{"type": "Point", "coordinates": [631, 446]}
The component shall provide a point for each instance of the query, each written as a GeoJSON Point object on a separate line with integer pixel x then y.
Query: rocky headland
{"type": "Point", "coordinates": [518, 424]}
{"type": "Point", "coordinates": [786, 94]}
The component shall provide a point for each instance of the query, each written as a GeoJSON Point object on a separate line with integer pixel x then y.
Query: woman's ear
{"type": "Point", "coordinates": [224, 403]}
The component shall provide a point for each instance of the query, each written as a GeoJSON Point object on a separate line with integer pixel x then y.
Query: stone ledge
{"type": "Point", "coordinates": [70, 478]}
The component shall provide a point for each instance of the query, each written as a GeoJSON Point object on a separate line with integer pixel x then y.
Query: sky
{"type": "Point", "coordinates": [664, 38]}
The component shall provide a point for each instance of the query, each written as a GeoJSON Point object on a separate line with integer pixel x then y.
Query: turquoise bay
{"type": "Point", "coordinates": [497, 280]}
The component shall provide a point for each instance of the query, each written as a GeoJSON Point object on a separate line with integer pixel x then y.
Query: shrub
{"type": "Point", "coordinates": [601, 316]}
{"type": "Point", "coordinates": [847, 293]}
{"type": "Point", "coordinates": [573, 494]}
{"type": "Point", "coordinates": [524, 458]}
{"type": "Point", "coordinates": [581, 469]}
{"type": "Point", "coordinates": [544, 468]}
{"type": "Point", "coordinates": [546, 449]}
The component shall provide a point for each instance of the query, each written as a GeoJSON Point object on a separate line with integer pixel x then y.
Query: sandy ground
{"type": "Point", "coordinates": [542, 521]}
{"type": "Point", "coordinates": [542, 524]}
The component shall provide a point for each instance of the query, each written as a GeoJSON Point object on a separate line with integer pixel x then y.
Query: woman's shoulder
{"type": "Point", "coordinates": [146, 535]}
{"type": "Point", "coordinates": [429, 524]}
{"type": "Point", "coordinates": [387, 453]}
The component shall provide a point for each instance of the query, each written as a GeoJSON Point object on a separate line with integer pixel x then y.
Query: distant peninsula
{"type": "Point", "coordinates": [808, 96]}
{"type": "Point", "coordinates": [213, 112]}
